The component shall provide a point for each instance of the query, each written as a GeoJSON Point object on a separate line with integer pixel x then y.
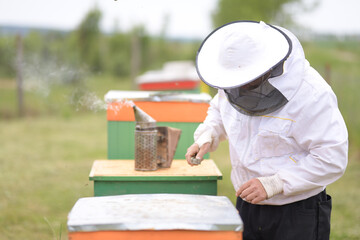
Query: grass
{"type": "Point", "coordinates": [44, 165]}
{"type": "Point", "coordinates": [45, 158]}
{"type": "Point", "coordinates": [346, 195]}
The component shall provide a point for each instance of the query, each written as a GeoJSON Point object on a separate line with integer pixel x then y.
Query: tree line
{"type": "Point", "coordinates": [121, 54]}
{"type": "Point", "coordinates": [126, 54]}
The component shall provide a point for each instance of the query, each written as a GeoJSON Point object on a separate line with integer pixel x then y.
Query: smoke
{"type": "Point", "coordinates": [41, 75]}
{"type": "Point", "coordinates": [86, 100]}
{"type": "Point", "coordinates": [120, 104]}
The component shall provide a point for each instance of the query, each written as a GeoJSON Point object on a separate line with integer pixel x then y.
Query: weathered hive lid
{"type": "Point", "coordinates": [154, 96]}
{"type": "Point", "coordinates": [154, 212]}
{"type": "Point", "coordinates": [171, 71]}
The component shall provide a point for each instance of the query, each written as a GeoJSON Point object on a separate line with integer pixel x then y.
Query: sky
{"type": "Point", "coordinates": [185, 18]}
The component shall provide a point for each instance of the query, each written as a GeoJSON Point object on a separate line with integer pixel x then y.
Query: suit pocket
{"type": "Point", "coordinates": [270, 144]}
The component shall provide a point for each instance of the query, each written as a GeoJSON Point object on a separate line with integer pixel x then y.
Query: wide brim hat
{"type": "Point", "coordinates": [240, 52]}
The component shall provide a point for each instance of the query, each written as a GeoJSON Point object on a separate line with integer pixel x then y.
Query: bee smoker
{"type": "Point", "coordinates": [154, 146]}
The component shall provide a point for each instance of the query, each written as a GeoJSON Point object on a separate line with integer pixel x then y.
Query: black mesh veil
{"type": "Point", "coordinates": [258, 97]}
{"type": "Point", "coordinates": [261, 100]}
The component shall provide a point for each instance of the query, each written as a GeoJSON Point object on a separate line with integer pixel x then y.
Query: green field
{"type": "Point", "coordinates": [45, 157]}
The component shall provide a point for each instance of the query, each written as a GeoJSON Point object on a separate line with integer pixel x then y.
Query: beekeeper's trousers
{"type": "Point", "coordinates": [306, 219]}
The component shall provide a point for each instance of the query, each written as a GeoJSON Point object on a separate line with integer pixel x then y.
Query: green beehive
{"type": "Point", "coordinates": [181, 111]}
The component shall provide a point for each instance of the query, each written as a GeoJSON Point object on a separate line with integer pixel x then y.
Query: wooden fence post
{"type": "Point", "coordinates": [19, 75]}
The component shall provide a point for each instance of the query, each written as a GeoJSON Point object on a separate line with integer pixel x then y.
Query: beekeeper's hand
{"type": "Point", "coordinates": [252, 191]}
{"type": "Point", "coordinates": [195, 151]}
{"type": "Point", "coordinates": [261, 188]}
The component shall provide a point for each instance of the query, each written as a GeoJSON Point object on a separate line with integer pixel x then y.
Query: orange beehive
{"type": "Point", "coordinates": [154, 216]}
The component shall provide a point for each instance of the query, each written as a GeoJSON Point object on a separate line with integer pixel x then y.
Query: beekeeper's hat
{"type": "Point", "coordinates": [240, 52]}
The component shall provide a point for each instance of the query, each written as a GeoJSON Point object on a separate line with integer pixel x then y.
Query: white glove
{"type": "Point", "coordinates": [273, 185]}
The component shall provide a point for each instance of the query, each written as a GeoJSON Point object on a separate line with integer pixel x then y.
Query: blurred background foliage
{"type": "Point", "coordinates": [88, 47]}
{"type": "Point", "coordinates": [46, 152]}
{"type": "Point", "coordinates": [273, 11]}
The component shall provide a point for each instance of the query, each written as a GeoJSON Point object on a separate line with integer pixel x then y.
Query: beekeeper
{"type": "Point", "coordinates": [287, 138]}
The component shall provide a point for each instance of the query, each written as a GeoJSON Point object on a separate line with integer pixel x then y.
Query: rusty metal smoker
{"type": "Point", "coordinates": [154, 146]}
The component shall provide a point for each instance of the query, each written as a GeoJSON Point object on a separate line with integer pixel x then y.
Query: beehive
{"type": "Point", "coordinates": [154, 216]}
{"type": "Point", "coordinates": [182, 111]}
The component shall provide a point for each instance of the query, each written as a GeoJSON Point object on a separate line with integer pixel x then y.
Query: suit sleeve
{"type": "Point", "coordinates": [321, 131]}
{"type": "Point", "coordinates": [211, 130]}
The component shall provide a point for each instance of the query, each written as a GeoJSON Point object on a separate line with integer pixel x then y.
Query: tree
{"type": "Point", "coordinates": [118, 54]}
{"type": "Point", "coordinates": [7, 53]}
{"type": "Point", "coordinates": [89, 37]}
{"type": "Point", "coordinates": [271, 11]}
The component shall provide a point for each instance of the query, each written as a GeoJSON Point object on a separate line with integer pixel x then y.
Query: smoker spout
{"type": "Point", "coordinates": [143, 120]}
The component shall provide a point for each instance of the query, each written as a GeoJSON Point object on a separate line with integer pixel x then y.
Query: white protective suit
{"type": "Point", "coordinates": [304, 144]}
